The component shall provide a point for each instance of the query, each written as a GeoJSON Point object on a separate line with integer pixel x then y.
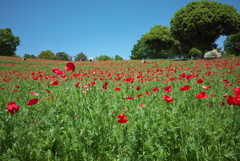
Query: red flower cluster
{"type": "Point", "coordinates": [12, 107]}
{"type": "Point", "coordinates": [201, 95]}
{"type": "Point", "coordinates": [57, 71]}
{"type": "Point", "coordinates": [168, 98]}
{"type": "Point", "coordinates": [122, 118]}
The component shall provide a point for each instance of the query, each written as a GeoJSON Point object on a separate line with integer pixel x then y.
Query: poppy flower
{"type": "Point", "coordinates": [140, 95]}
{"type": "Point", "coordinates": [54, 83]}
{"type": "Point", "coordinates": [70, 66]}
{"type": "Point", "coordinates": [200, 81]}
{"type": "Point", "coordinates": [122, 118]}
{"type": "Point", "coordinates": [34, 93]}
{"type": "Point", "coordinates": [168, 98]}
{"type": "Point", "coordinates": [12, 107]}
{"type": "Point", "coordinates": [77, 84]}
{"type": "Point", "coordinates": [168, 89]}
{"type": "Point", "coordinates": [147, 93]}
{"type": "Point", "coordinates": [201, 95]}
{"type": "Point", "coordinates": [206, 87]}
{"type": "Point", "coordinates": [130, 97]}
{"type": "Point", "coordinates": [17, 86]}
{"type": "Point", "coordinates": [57, 71]}
{"type": "Point", "coordinates": [185, 88]}
{"type": "Point", "coordinates": [32, 101]}
{"type": "Point", "coordinates": [117, 89]}
{"type": "Point", "coordinates": [138, 88]}
{"type": "Point", "coordinates": [47, 91]}
{"type": "Point", "coordinates": [155, 89]}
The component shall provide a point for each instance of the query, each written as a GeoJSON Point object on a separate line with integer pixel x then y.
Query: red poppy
{"type": "Point", "coordinates": [168, 89]}
{"type": "Point", "coordinates": [77, 84]}
{"type": "Point", "coordinates": [34, 93]}
{"type": "Point", "coordinates": [206, 87]}
{"type": "Point", "coordinates": [140, 95]}
{"type": "Point", "coordinates": [17, 86]}
{"type": "Point", "coordinates": [155, 89]}
{"type": "Point", "coordinates": [15, 90]}
{"type": "Point", "coordinates": [168, 98]}
{"type": "Point", "coordinates": [70, 66]}
{"type": "Point", "coordinates": [47, 91]}
{"type": "Point", "coordinates": [147, 93]}
{"type": "Point", "coordinates": [32, 101]}
{"type": "Point", "coordinates": [117, 89]}
{"type": "Point", "coordinates": [130, 97]}
{"type": "Point", "coordinates": [233, 100]}
{"type": "Point", "coordinates": [200, 81]}
{"type": "Point", "coordinates": [201, 95]}
{"type": "Point", "coordinates": [138, 88]}
{"type": "Point", "coordinates": [12, 107]}
{"type": "Point", "coordinates": [122, 118]}
{"type": "Point", "coordinates": [213, 95]}
{"type": "Point", "coordinates": [185, 88]}
{"type": "Point", "coordinates": [54, 83]}
{"type": "Point", "coordinates": [57, 71]}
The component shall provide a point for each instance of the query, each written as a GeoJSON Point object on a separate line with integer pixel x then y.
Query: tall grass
{"type": "Point", "coordinates": [80, 123]}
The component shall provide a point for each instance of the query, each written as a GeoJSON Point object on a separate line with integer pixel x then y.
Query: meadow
{"type": "Point", "coordinates": [119, 110]}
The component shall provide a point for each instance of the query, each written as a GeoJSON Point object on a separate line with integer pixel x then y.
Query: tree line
{"type": "Point", "coordinates": [193, 31]}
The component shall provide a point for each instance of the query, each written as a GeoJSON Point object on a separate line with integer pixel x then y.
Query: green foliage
{"type": "Point", "coordinates": [159, 38]}
{"type": "Point", "coordinates": [141, 50]}
{"type": "Point", "coordinates": [117, 57]}
{"type": "Point", "coordinates": [104, 57]}
{"type": "Point", "coordinates": [81, 57]}
{"type": "Point", "coordinates": [200, 23]}
{"type": "Point", "coordinates": [47, 54]}
{"type": "Point", "coordinates": [29, 56]}
{"type": "Point", "coordinates": [8, 42]}
{"type": "Point", "coordinates": [194, 52]}
{"type": "Point", "coordinates": [61, 56]}
{"type": "Point", "coordinates": [232, 44]}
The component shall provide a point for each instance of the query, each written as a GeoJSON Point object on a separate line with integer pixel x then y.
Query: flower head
{"type": "Point", "coordinates": [12, 107]}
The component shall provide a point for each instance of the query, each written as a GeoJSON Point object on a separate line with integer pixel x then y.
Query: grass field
{"type": "Point", "coordinates": [119, 110]}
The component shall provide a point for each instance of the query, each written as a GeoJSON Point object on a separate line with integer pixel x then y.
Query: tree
{"type": "Point", "coordinates": [81, 57]}
{"type": "Point", "coordinates": [200, 23]}
{"type": "Point", "coordinates": [194, 52]}
{"type": "Point", "coordinates": [159, 38]}
{"type": "Point", "coordinates": [8, 42]}
{"type": "Point", "coordinates": [62, 56]}
{"type": "Point", "coordinates": [232, 44]}
{"type": "Point", "coordinates": [141, 50]}
{"type": "Point", "coordinates": [104, 57]}
{"type": "Point", "coordinates": [47, 54]}
{"type": "Point", "coordinates": [117, 57]}
{"type": "Point", "coordinates": [29, 56]}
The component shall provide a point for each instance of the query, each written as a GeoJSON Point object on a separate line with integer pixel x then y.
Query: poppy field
{"type": "Point", "coordinates": [119, 110]}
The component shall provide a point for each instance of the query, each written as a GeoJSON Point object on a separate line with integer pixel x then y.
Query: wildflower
{"type": "Point", "coordinates": [155, 89]}
{"type": "Point", "coordinates": [168, 98]}
{"type": "Point", "coordinates": [185, 88]}
{"type": "Point", "coordinates": [12, 107]}
{"type": "Point", "coordinates": [117, 89]}
{"type": "Point", "coordinates": [54, 83]}
{"type": "Point", "coordinates": [70, 66]}
{"type": "Point", "coordinates": [201, 95]}
{"type": "Point", "coordinates": [32, 101]}
{"type": "Point", "coordinates": [57, 71]}
{"type": "Point", "coordinates": [200, 81]}
{"type": "Point", "coordinates": [168, 89]}
{"type": "Point", "coordinates": [47, 91]}
{"type": "Point", "coordinates": [122, 118]}
{"type": "Point", "coordinates": [130, 97]}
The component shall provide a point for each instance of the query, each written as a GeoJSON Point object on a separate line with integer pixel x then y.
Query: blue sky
{"type": "Point", "coordinates": [94, 27]}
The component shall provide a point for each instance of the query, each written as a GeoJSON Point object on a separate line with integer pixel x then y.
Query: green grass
{"type": "Point", "coordinates": [81, 123]}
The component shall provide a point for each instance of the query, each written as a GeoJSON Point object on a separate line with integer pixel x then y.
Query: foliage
{"type": "Point", "coordinates": [61, 56]}
{"type": "Point", "coordinates": [103, 57]}
{"type": "Point", "coordinates": [163, 110]}
{"type": "Point", "coordinates": [232, 44]}
{"type": "Point", "coordinates": [117, 57]}
{"type": "Point", "coordinates": [200, 23]}
{"type": "Point", "coordinates": [47, 54]}
{"type": "Point", "coordinates": [29, 56]}
{"type": "Point", "coordinates": [81, 56]}
{"type": "Point", "coordinates": [141, 50]}
{"type": "Point", "coordinates": [194, 52]}
{"type": "Point", "coordinates": [159, 38]}
{"type": "Point", "coordinates": [8, 42]}
{"type": "Point", "coordinates": [215, 53]}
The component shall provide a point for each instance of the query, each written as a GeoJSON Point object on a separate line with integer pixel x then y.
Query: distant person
{"type": "Point", "coordinates": [90, 59]}
{"type": "Point", "coordinates": [143, 61]}
{"type": "Point", "coordinates": [24, 58]}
